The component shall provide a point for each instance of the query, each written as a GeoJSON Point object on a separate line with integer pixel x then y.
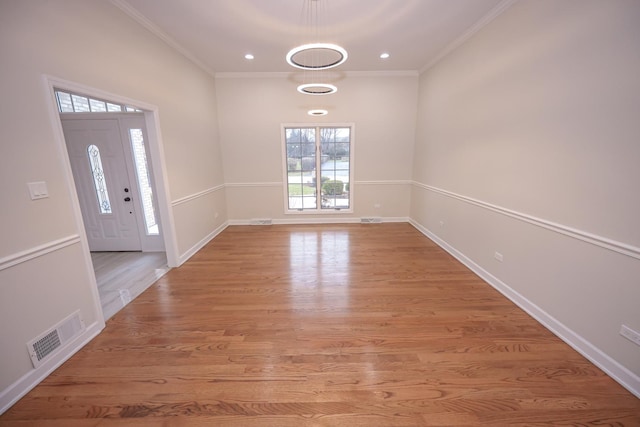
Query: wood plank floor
{"type": "Point", "coordinates": [122, 276]}
{"type": "Point", "coordinates": [331, 325]}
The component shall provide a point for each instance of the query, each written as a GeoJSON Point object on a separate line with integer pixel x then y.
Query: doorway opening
{"type": "Point", "coordinates": [108, 148]}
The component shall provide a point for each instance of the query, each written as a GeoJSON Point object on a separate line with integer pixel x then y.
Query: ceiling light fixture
{"type": "Point", "coordinates": [317, 56]}
{"type": "Point", "coordinates": [315, 53]}
{"type": "Point", "coordinates": [317, 89]}
{"type": "Point", "coordinates": [384, 55]}
{"type": "Point", "coordinates": [248, 56]}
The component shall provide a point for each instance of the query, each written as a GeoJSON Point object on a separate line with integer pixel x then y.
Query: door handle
{"type": "Point", "coordinates": [127, 199]}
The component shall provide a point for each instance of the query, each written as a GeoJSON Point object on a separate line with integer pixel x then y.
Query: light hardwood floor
{"type": "Point", "coordinates": [122, 276]}
{"type": "Point", "coordinates": [331, 325]}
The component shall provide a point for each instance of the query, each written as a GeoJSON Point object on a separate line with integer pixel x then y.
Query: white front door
{"type": "Point", "coordinates": [103, 184]}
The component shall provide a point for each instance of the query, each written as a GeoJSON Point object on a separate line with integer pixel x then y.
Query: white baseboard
{"type": "Point", "coordinates": [328, 220]}
{"type": "Point", "coordinates": [301, 221]}
{"type": "Point", "coordinates": [195, 248]}
{"type": "Point", "coordinates": [22, 386]}
{"type": "Point", "coordinates": [396, 219]}
{"type": "Point", "coordinates": [615, 370]}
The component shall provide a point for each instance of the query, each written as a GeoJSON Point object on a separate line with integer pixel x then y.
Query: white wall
{"type": "Point", "coordinates": [528, 144]}
{"type": "Point", "coordinates": [252, 109]}
{"type": "Point", "coordinates": [531, 123]}
{"type": "Point", "coordinates": [45, 274]}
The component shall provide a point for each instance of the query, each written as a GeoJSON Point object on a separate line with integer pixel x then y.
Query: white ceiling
{"type": "Point", "coordinates": [218, 33]}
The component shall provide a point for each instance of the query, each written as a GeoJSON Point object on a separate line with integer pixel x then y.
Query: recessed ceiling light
{"type": "Point", "coordinates": [317, 112]}
{"type": "Point", "coordinates": [248, 56]}
{"type": "Point", "coordinates": [384, 55]}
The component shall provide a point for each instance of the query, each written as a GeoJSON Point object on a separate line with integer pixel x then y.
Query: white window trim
{"type": "Point", "coordinates": [285, 175]}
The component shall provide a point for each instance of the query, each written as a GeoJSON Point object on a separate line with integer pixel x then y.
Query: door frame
{"type": "Point", "coordinates": [156, 158]}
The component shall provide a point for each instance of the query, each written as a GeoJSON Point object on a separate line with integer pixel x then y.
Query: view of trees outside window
{"type": "Point", "coordinates": [318, 169]}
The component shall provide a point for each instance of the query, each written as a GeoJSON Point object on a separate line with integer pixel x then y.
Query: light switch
{"type": "Point", "coordinates": [38, 190]}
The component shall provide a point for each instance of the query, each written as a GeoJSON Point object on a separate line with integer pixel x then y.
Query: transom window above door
{"type": "Point", "coordinates": [317, 164]}
{"type": "Point", "coordinates": [69, 102]}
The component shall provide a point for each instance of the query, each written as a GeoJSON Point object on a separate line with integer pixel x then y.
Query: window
{"type": "Point", "coordinates": [318, 168]}
{"type": "Point", "coordinates": [99, 183]}
{"type": "Point", "coordinates": [75, 103]}
{"type": "Point", "coordinates": [144, 180]}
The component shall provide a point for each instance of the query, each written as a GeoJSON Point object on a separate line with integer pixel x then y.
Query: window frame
{"type": "Point", "coordinates": [285, 171]}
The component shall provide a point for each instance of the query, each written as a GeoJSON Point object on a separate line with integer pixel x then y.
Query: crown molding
{"type": "Point", "coordinates": [133, 13]}
{"type": "Point", "coordinates": [155, 30]}
{"type": "Point", "coordinates": [286, 74]}
{"type": "Point", "coordinates": [481, 23]}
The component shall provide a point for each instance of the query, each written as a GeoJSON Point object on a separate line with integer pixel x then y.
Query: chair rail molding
{"type": "Point", "coordinates": [594, 239]}
{"type": "Point", "coordinates": [197, 195]}
{"type": "Point", "coordinates": [38, 251]}
{"type": "Point", "coordinates": [385, 182]}
{"type": "Point", "coordinates": [252, 184]}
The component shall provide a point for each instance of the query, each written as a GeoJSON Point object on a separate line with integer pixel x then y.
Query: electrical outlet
{"type": "Point", "coordinates": [630, 334]}
{"type": "Point", "coordinates": [498, 256]}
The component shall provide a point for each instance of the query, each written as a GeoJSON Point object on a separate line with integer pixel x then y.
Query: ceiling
{"type": "Point", "coordinates": [217, 34]}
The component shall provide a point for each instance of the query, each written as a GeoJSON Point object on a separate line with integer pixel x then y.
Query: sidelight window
{"type": "Point", "coordinates": [144, 180]}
